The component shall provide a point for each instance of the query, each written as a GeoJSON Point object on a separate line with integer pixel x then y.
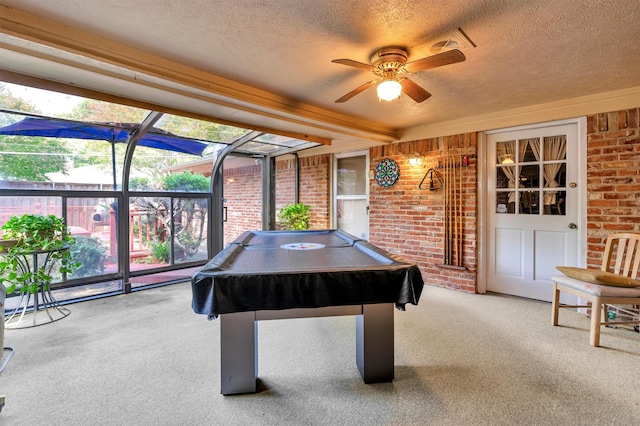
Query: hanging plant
{"type": "Point", "coordinates": [31, 235]}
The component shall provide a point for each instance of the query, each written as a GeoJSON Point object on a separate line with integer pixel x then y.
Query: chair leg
{"type": "Point", "coordinates": [555, 305]}
{"type": "Point", "coordinates": [596, 318]}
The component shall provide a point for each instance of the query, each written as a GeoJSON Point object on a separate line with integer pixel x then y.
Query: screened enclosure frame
{"type": "Point", "coordinates": [257, 145]}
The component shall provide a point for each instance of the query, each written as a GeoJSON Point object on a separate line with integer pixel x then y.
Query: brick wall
{"type": "Point", "coordinates": [315, 189]}
{"type": "Point", "coordinates": [243, 195]}
{"type": "Point", "coordinates": [285, 183]}
{"type": "Point", "coordinates": [243, 185]}
{"type": "Point", "coordinates": [404, 219]}
{"type": "Point", "coordinates": [613, 178]}
{"type": "Point", "coordinates": [409, 221]}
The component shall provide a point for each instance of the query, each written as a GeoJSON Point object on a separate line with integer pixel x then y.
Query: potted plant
{"type": "Point", "coordinates": [295, 216]}
{"type": "Point", "coordinates": [26, 237]}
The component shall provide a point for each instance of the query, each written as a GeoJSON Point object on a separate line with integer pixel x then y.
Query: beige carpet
{"type": "Point", "coordinates": [461, 359]}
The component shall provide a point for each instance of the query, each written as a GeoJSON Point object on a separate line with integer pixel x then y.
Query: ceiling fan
{"type": "Point", "coordinates": [389, 63]}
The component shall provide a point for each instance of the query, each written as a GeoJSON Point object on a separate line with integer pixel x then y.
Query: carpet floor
{"type": "Point", "coordinates": [460, 359]}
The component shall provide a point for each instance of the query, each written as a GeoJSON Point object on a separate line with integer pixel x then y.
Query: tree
{"type": "Point", "coordinates": [26, 157]}
{"type": "Point", "coordinates": [8, 101]}
{"type": "Point", "coordinates": [189, 215]}
{"type": "Point", "coordinates": [147, 162]}
{"type": "Point", "coordinates": [31, 158]}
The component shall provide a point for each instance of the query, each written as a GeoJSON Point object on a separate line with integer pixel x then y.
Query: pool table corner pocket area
{"type": "Point", "coordinates": [265, 275]}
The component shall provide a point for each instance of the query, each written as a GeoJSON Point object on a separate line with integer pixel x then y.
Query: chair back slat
{"type": "Point", "coordinates": [621, 247]}
{"type": "Point", "coordinates": [624, 250]}
{"type": "Point", "coordinates": [636, 258]}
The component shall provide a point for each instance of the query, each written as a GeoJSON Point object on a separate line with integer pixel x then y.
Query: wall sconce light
{"type": "Point", "coordinates": [389, 90]}
{"type": "Point", "coordinates": [415, 159]}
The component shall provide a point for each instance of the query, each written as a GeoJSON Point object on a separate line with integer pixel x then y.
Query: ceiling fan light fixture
{"type": "Point", "coordinates": [389, 90]}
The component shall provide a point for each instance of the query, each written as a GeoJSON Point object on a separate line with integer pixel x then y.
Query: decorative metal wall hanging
{"type": "Point", "coordinates": [435, 182]}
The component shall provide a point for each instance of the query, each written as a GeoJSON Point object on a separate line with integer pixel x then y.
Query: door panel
{"type": "Point", "coordinates": [508, 253]}
{"type": "Point", "coordinates": [550, 248]}
{"type": "Point", "coordinates": [349, 216]}
{"type": "Point", "coordinates": [351, 191]}
{"type": "Point", "coordinates": [533, 207]}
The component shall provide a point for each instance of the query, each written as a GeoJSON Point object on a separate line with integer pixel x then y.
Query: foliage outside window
{"type": "Point", "coordinates": [163, 229]}
{"type": "Point", "coordinates": [188, 216]}
{"type": "Point", "coordinates": [91, 254]}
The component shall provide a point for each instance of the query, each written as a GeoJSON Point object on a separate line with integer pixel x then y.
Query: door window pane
{"type": "Point", "coordinates": [529, 176]}
{"type": "Point", "coordinates": [505, 177]}
{"type": "Point", "coordinates": [529, 202]}
{"type": "Point", "coordinates": [505, 202]}
{"type": "Point", "coordinates": [506, 152]}
{"type": "Point", "coordinates": [351, 176]}
{"type": "Point", "coordinates": [528, 148]}
{"type": "Point", "coordinates": [555, 175]}
{"type": "Point", "coordinates": [554, 202]}
{"type": "Point", "coordinates": [555, 148]}
{"type": "Point", "coordinates": [351, 217]}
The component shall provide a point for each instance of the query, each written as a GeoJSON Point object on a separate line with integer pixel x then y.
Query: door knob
{"type": "Point", "coordinates": [573, 226]}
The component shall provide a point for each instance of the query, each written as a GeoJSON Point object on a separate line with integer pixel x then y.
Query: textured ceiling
{"type": "Point", "coordinates": [526, 52]}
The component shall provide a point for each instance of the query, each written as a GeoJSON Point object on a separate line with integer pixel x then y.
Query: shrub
{"type": "Point", "coordinates": [160, 250]}
{"type": "Point", "coordinates": [91, 254]}
{"type": "Point", "coordinates": [186, 181]}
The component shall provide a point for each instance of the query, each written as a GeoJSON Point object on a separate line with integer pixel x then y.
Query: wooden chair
{"type": "Point", "coordinates": [621, 257]}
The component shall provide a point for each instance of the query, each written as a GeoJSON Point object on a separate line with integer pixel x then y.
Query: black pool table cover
{"type": "Point", "coordinates": [256, 273]}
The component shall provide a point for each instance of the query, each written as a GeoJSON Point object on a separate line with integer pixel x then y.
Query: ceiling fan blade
{"type": "Point", "coordinates": [445, 58]}
{"type": "Point", "coordinates": [355, 64]}
{"type": "Point", "coordinates": [354, 92]}
{"type": "Point", "coordinates": [414, 91]}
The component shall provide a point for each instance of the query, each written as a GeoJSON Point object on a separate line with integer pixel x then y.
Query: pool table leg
{"type": "Point", "coordinates": [238, 353]}
{"type": "Point", "coordinates": [374, 343]}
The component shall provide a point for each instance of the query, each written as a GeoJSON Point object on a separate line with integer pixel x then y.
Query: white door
{"type": "Point", "coordinates": [351, 192]}
{"type": "Point", "coordinates": [533, 205]}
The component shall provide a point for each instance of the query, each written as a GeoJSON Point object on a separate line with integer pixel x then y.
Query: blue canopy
{"type": "Point", "coordinates": [111, 132]}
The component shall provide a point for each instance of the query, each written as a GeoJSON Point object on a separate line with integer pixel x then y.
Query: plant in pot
{"type": "Point", "coordinates": [295, 216]}
{"type": "Point", "coordinates": [27, 237]}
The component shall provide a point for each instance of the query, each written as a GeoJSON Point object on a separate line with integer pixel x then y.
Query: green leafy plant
{"type": "Point", "coordinates": [91, 254]}
{"type": "Point", "coordinates": [185, 181]}
{"type": "Point", "coordinates": [295, 216]}
{"type": "Point", "coordinates": [160, 250]}
{"type": "Point", "coordinates": [23, 238]}
{"type": "Point", "coordinates": [138, 183]}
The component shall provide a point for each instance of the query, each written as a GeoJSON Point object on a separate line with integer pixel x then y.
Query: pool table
{"type": "Point", "coordinates": [266, 275]}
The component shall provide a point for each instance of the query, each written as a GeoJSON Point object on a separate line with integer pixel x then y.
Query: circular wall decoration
{"type": "Point", "coordinates": [387, 173]}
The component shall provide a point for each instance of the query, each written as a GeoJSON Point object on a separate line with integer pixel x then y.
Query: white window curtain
{"type": "Point", "coordinates": [504, 150]}
{"type": "Point", "coordinates": [555, 148]}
